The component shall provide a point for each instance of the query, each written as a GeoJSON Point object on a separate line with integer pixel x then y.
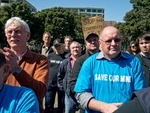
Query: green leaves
{"type": "Point", "coordinates": [137, 20]}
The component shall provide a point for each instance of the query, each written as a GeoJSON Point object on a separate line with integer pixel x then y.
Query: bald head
{"type": "Point", "coordinates": [110, 42]}
{"type": "Point", "coordinates": [109, 30]}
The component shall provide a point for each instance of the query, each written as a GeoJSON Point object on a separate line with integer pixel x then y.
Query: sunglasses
{"type": "Point", "coordinates": [133, 46]}
{"type": "Point", "coordinates": [108, 42]}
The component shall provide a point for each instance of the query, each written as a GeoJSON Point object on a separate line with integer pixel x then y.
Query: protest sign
{"type": "Point", "coordinates": [92, 25]}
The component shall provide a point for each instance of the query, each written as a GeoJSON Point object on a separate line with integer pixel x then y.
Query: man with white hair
{"type": "Point", "coordinates": [28, 69]}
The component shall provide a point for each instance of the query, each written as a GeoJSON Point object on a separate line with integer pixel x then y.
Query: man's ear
{"type": "Point", "coordinates": [6, 71]}
{"type": "Point", "coordinates": [28, 36]}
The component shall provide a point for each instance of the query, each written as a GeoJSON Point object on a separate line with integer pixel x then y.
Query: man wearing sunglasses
{"type": "Point", "coordinates": [108, 79]}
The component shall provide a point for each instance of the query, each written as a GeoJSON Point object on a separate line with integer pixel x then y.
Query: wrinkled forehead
{"type": "Point", "coordinates": [16, 23]}
{"type": "Point", "coordinates": [110, 34]}
{"type": "Point", "coordinates": [47, 35]}
{"type": "Point", "coordinates": [109, 31]}
{"type": "Point", "coordinates": [74, 45]}
{"type": "Point", "coordinates": [14, 27]}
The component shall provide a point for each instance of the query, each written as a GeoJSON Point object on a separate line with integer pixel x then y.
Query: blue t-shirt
{"type": "Point", "coordinates": [111, 81]}
{"type": "Point", "coordinates": [15, 99]}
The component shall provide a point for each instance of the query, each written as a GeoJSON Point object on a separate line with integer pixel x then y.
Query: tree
{"type": "Point", "coordinates": [5, 13]}
{"type": "Point", "coordinates": [59, 22]}
{"type": "Point", "coordinates": [137, 20]}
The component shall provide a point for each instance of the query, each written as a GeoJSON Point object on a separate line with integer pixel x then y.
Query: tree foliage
{"type": "Point", "coordinates": [137, 20]}
{"type": "Point", "coordinates": [59, 22]}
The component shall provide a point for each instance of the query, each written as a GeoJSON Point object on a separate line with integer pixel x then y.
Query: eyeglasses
{"type": "Point", "coordinates": [108, 42]}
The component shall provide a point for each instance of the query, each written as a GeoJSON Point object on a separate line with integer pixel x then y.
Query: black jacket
{"type": "Point", "coordinates": [139, 103]}
{"type": "Point", "coordinates": [76, 69]}
{"type": "Point", "coordinates": [55, 60]}
{"type": "Point", "coordinates": [145, 61]}
{"type": "Point", "coordinates": [63, 76]}
{"type": "Point", "coordinates": [144, 99]}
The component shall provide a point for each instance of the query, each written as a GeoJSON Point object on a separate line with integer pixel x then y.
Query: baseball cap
{"type": "Point", "coordinates": [91, 35]}
{"type": "Point", "coordinates": [56, 42]}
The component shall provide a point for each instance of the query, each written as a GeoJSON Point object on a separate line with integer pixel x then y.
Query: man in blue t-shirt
{"type": "Point", "coordinates": [108, 79]}
{"type": "Point", "coordinates": [14, 99]}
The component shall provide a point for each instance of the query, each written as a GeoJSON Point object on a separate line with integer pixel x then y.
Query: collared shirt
{"type": "Point", "coordinates": [101, 55]}
{"type": "Point", "coordinates": [72, 60]}
{"type": "Point", "coordinates": [45, 50]}
{"type": "Point", "coordinates": [110, 81]}
{"type": "Point", "coordinates": [144, 55]}
{"type": "Point", "coordinates": [20, 56]}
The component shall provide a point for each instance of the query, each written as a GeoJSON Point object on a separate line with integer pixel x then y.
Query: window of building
{"type": "Point", "coordinates": [75, 10]}
{"type": "Point", "coordinates": [99, 15]}
{"type": "Point", "coordinates": [5, 1]}
{"type": "Point", "coordinates": [18, 0]}
{"type": "Point", "coordinates": [88, 10]}
{"type": "Point", "coordinates": [99, 11]}
{"type": "Point", "coordinates": [93, 10]}
{"type": "Point", "coordinates": [94, 15]}
{"type": "Point", "coordinates": [82, 10]}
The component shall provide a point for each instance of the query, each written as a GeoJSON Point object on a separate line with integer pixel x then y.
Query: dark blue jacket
{"type": "Point", "coordinates": [64, 74]}
{"type": "Point", "coordinates": [144, 98]}
{"type": "Point", "coordinates": [145, 61]}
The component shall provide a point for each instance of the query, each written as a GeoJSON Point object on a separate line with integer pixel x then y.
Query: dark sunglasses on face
{"type": "Point", "coordinates": [133, 46]}
{"type": "Point", "coordinates": [108, 42]}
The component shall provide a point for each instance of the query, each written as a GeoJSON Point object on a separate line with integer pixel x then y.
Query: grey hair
{"type": "Point", "coordinates": [19, 21]}
{"type": "Point", "coordinates": [75, 42]}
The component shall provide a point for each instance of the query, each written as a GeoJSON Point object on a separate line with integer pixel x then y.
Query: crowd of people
{"type": "Point", "coordinates": [103, 79]}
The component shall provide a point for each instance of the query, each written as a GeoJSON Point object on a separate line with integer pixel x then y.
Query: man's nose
{"type": "Point", "coordinates": [113, 42]}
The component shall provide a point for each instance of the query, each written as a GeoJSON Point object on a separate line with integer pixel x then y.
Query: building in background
{"type": "Point", "coordinates": [90, 11]}
{"type": "Point", "coordinates": [79, 10]}
{"type": "Point", "coordinates": [6, 2]}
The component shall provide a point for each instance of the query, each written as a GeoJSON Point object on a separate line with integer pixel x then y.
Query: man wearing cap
{"type": "Point", "coordinates": [55, 60]}
{"type": "Point", "coordinates": [92, 46]}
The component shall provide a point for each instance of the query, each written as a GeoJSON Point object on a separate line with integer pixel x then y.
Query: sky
{"type": "Point", "coordinates": [115, 10]}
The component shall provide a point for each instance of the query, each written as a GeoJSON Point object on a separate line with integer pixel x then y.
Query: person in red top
{"type": "Point", "coordinates": [28, 69]}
